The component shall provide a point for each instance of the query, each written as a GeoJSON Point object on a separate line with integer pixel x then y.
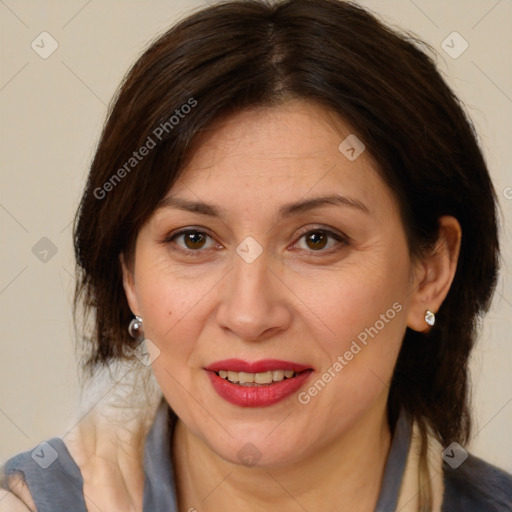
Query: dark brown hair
{"type": "Point", "coordinates": [238, 54]}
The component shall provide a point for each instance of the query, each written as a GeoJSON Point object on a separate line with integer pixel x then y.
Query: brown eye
{"type": "Point", "coordinates": [316, 240]}
{"type": "Point", "coordinates": [194, 239]}
{"type": "Point", "coordinates": [191, 241]}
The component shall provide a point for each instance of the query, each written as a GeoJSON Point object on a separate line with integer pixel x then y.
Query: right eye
{"type": "Point", "coordinates": [192, 241]}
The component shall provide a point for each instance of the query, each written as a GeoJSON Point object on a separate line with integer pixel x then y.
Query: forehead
{"type": "Point", "coordinates": [295, 130]}
{"type": "Point", "coordinates": [276, 154]}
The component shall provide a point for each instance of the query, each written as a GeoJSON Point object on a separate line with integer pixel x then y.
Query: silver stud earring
{"type": "Point", "coordinates": [430, 317]}
{"type": "Point", "coordinates": [135, 328]}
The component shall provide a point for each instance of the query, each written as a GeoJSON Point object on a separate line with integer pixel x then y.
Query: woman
{"type": "Point", "coordinates": [289, 219]}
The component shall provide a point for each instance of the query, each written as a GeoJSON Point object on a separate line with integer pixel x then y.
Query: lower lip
{"type": "Point", "coordinates": [257, 396]}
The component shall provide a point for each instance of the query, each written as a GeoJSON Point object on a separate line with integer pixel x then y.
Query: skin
{"type": "Point", "coordinates": [297, 301]}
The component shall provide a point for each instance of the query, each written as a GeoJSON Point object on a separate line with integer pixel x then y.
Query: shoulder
{"type": "Point", "coordinates": [477, 486]}
{"type": "Point", "coordinates": [43, 476]}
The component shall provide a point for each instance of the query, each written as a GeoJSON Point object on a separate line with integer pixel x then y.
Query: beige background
{"type": "Point", "coordinates": [52, 112]}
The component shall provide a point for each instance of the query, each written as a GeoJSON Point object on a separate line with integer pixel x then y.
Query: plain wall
{"type": "Point", "coordinates": [52, 111]}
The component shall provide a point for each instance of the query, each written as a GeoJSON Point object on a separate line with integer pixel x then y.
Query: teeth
{"type": "Point", "coordinates": [263, 378]}
{"type": "Point", "coordinates": [245, 378]}
{"type": "Point", "coordinates": [277, 375]}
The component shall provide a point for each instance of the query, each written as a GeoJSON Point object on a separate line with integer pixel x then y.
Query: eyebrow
{"type": "Point", "coordinates": [285, 210]}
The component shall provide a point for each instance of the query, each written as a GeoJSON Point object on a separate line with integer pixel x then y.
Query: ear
{"type": "Point", "coordinates": [434, 274]}
{"type": "Point", "coordinates": [129, 285]}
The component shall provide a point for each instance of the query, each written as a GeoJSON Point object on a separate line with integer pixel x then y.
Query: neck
{"type": "Point", "coordinates": [346, 475]}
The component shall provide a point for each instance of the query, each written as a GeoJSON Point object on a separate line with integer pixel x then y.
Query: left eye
{"type": "Point", "coordinates": [318, 239]}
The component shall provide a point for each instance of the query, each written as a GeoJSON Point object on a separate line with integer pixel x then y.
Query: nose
{"type": "Point", "coordinates": [255, 303]}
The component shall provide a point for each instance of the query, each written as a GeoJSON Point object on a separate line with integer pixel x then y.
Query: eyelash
{"type": "Point", "coordinates": [342, 239]}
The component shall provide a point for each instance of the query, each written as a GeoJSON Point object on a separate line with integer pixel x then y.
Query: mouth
{"type": "Point", "coordinates": [257, 384]}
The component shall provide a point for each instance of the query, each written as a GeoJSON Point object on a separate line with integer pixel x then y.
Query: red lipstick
{"type": "Point", "coordinates": [257, 395]}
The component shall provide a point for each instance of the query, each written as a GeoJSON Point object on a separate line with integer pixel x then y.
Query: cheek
{"type": "Point", "coordinates": [173, 306]}
{"type": "Point", "coordinates": [359, 313]}
{"type": "Point", "coordinates": [362, 327]}
{"type": "Point", "coordinates": [165, 295]}
{"type": "Point", "coordinates": [167, 306]}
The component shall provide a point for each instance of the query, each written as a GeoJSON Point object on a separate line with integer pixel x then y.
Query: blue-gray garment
{"type": "Point", "coordinates": [474, 487]}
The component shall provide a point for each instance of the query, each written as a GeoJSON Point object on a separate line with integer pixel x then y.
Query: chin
{"type": "Point", "coordinates": [258, 451]}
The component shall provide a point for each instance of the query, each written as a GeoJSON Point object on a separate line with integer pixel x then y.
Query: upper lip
{"type": "Point", "coordinates": [263, 365]}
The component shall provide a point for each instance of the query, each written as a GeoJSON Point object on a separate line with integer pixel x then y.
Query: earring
{"type": "Point", "coordinates": [135, 328]}
{"type": "Point", "coordinates": [430, 317]}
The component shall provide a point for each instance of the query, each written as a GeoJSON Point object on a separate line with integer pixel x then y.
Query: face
{"type": "Point", "coordinates": [246, 260]}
